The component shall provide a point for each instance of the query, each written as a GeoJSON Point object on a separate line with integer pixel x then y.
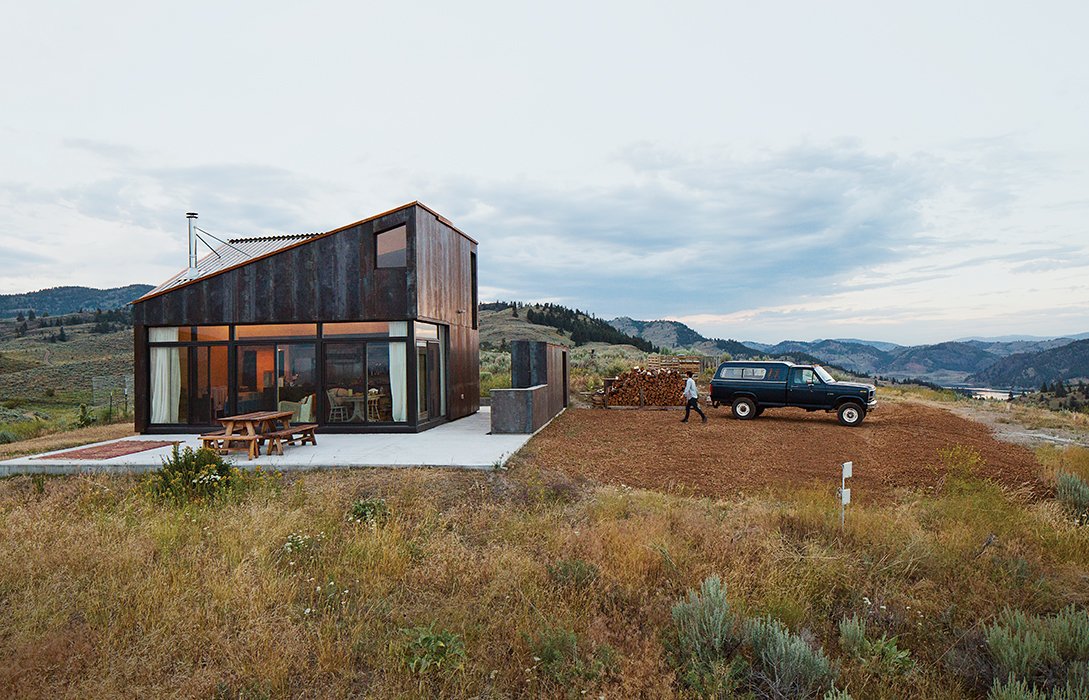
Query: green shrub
{"type": "Point", "coordinates": [85, 417]}
{"type": "Point", "coordinates": [1074, 494]}
{"type": "Point", "coordinates": [557, 658]}
{"type": "Point", "coordinates": [852, 636]}
{"type": "Point", "coordinates": [427, 651]}
{"type": "Point", "coordinates": [1043, 653]}
{"type": "Point", "coordinates": [783, 664]}
{"type": "Point", "coordinates": [574, 573]}
{"type": "Point", "coordinates": [6, 436]}
{"type": "Point", "coordinates": [369, 511]}
{"type": "Point", "coordinates": [199, 476]}
{"type": "Point", "coordinates": [1015, 690]}
{"type": "Point", "coordinates": [703, 641]}
{"type": "Point", "coordinates": [881, 655]}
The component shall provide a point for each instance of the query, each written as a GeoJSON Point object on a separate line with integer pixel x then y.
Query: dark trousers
{"type": "Point", "coordinates": [693, 404]}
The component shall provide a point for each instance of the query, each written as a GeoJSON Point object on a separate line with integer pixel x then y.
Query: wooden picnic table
{"type": "Point", "coordinates": [247, 429]}
{"type": "Point", "coordinates": [256, 422]}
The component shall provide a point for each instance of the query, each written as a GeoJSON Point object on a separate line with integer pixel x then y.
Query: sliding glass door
{"type": "Point", "coordinates": [365, 382]}
{"type": "Point", "coordinates": [277, 377]}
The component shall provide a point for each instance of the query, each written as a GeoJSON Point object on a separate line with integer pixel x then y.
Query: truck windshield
{"type": "Point", "coordinates": [823, 374]}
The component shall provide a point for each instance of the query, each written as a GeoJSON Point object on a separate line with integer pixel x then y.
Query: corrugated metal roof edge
{"type": "Point", "coordinates": [311, 239]}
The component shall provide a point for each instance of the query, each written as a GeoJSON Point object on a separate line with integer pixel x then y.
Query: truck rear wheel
{"type": "Point", "coordinates": [744, 408]}
{"type": "Point", "coordinates": [851, 414]}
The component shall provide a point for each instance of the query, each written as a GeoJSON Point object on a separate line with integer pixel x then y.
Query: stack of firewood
{"type": "Point", "coordinates": [645, 387]}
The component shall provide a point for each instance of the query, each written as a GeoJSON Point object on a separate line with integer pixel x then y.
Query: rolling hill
{"type": "Point", "coordinates": [954, 362]}
{"type": "Point", "coordinates": [1067, 362]}
{"type": "Point", "coordinates": [66, 300]}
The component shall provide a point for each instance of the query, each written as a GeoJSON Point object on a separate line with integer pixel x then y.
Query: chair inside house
{"type": "Point", "coordinates": [339, 411]}
{"type": "Point", "coordinates": [303, 410]}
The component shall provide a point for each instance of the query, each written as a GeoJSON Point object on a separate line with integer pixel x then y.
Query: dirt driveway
{"type": "Point", "coordinates": [897, 446]}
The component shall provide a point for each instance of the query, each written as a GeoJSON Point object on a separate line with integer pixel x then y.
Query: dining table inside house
{"type": "Point", "coordinates": [248, 428]}
{"type": "Point", "coordinates": [358, 401]}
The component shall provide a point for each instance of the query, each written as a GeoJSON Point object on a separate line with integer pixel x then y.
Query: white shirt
{"type": "Point", "coordinates": [690, 389]}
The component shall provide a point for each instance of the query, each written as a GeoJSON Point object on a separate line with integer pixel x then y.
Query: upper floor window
{"type": "Point", "coordinates": [392, 247]}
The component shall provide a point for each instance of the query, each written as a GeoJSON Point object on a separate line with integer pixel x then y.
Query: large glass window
{"type": "Point", "coordinates": [345, 378]}
{"type": "Point", "coordinates": [278, 378]}
{"type": "Point", "coordinates": [169, 374]}
{"type": "Point", "coordinates": [364, 377]}
{"type": "Point", "coordinates": [209, 384]}
{"type": "Point", "coordinates": [392, 247]}
{"type": "Point", "coordinates": [365, 382]}
{"type": "Point", "coordinates": [169, 385]}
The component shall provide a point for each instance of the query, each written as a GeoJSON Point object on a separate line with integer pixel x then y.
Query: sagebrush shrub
{"type": "Point", "coordinates": [704, 638]}
{"type": "Point", "coordinates": [199, 476]}
{"type": "Point", "coordinates": [852, 635]}
{"type": "Point", "coordinates": [6, 436]}
{"type": "Point", "coordinates": [1045, 653]}
{"type": "Point", "coordinates": [1073, 493]}
{"type": "Point", "coordinates": [783, 664]}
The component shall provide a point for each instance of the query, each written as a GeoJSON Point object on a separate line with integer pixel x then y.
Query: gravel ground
{"type": "Point", "coordinates": [897, 446]}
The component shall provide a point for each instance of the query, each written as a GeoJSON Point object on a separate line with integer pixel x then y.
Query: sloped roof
{"type": "Point", "coordinates": [236, 252]}
{"type": "Point", "coordinates": [265, 246]}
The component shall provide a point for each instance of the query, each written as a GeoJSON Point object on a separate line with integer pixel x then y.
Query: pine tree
{"type": "Point", "coordinates": [30, 316]}
{"type": "Point", "coordinates": [62, 337]}
{"type": "Point", "coordinates": [20, 317]}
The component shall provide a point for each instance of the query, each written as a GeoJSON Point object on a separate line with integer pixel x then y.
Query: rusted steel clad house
{"type": "Point", "coordinates": [371, 327]}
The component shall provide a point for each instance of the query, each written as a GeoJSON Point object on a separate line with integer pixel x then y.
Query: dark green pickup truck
{"type": "Point", "coordinates": [750, 387]}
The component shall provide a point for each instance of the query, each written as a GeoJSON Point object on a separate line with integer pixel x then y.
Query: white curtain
{"type": "Point", "coordinates": [398, 379]}
{"type": "Point", "coordinates": [165, 376]}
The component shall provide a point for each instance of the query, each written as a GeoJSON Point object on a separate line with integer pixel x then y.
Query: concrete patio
{"type": "Point", "coordinates": [463, 444]}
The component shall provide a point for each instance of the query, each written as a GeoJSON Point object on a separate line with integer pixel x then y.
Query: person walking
{"type": "Point", "coordinates": [692, 397]}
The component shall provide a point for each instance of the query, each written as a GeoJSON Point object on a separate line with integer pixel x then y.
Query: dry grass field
{"type": "Point", "coordinates": [536, 581]}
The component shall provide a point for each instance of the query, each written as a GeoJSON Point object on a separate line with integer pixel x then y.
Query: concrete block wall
{"type": "Point", "coordinates": [538, 388]}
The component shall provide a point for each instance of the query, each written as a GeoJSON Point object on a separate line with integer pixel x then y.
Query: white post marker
{"type": "Point", "coordinates": [844, 492]}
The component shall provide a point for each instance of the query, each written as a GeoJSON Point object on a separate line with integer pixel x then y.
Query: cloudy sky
{"type": "Point", "coordinates": [760, 171]}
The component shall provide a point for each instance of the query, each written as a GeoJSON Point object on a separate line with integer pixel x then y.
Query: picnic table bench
{"type": "Point", "coordinates": [292, 434]}
{"type": "Point", "coordinates": [247, 430]}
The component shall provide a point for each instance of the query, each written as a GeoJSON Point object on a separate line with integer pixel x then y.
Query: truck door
{"type": "Point", "coordinates": [805, 387]}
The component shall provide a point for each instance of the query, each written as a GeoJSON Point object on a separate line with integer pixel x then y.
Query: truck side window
{"type": "Point", "coordinates": [801, 376]}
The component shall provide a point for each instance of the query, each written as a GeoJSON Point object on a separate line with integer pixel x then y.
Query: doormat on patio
{"type": "Point", "coordinates": [113, 449]}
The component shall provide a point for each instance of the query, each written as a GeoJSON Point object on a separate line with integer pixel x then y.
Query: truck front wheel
{"type": "Point", "coordinates": [744, 408]}
{"type": "Point", "coordinates": [851, 414]}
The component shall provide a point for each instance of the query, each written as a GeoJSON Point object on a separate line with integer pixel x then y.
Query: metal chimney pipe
{"type": "Point", "coordinates": [191, 216]}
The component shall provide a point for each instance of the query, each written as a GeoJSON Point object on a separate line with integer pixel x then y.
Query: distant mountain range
{"type": "Point", "coordinates": [66, 300]}
{"type": "Point", "coordinates": [1020, 361]}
